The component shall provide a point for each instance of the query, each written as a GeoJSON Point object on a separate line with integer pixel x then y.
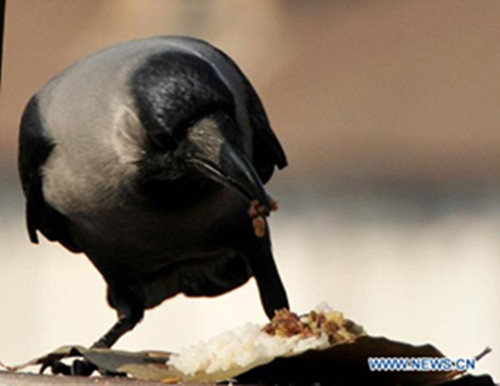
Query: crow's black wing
{"type": "Point", "coordinates": [267, 151]}
{"type": "Point", "coordinates": [35, 147]}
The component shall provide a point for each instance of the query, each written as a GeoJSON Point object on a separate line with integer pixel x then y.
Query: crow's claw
{"type": "Point", "coordinates": [78, 367]}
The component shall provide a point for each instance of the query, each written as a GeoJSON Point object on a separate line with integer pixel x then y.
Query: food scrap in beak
{"type": "Point", "coordinates": [257, 212]}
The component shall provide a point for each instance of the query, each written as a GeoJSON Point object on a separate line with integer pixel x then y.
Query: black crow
{"type": "Point", "coordinates": [145, 156]}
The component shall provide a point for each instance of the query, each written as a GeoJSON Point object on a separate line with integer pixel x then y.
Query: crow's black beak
{"type": "Point", "coordinates": [234, 170]}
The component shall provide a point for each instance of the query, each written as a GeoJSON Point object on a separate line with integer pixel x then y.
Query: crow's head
{"type": "Point", "coordinates": [197, 122]}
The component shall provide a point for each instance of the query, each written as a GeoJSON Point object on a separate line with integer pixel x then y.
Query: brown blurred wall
{"type": "Point", "coordinates": [356, 90]}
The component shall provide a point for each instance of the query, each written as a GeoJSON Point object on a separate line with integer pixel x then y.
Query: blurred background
{"type": "Point", "coordinates": [389, 211]}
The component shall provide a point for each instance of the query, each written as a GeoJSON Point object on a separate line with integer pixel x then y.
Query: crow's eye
{"type": "Point", "coordinates": [163, 141]}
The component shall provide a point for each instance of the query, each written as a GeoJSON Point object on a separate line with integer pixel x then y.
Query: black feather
{"type": "Point", "coordinates": [35, 147]}
{"type": "Point", "coordinates": [267, 151]}
{"type": "Point", "coordinates": [172, 85]}
{"type": "Point", "coordinates": [172, 90]}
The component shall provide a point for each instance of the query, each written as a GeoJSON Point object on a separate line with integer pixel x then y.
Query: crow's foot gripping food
{"type": "Point", "coordinates": [78, 367]}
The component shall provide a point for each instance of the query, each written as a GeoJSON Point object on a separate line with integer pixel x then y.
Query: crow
{"type": "Point", "coordinates": [145, 157]}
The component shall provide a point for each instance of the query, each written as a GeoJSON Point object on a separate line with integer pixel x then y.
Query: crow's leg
{"type": "Point", "coordinates": [126, 296]}
{"type": "Point", "coordinates": [129, 314]}
{"type": "Point", "coordinates": [125, 323]}
{"type": "Point", "coordinates": [272, 292]}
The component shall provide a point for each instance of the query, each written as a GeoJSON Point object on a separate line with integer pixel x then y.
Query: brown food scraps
{"type": "Point", "coordinates": [257, 212]}
{"type": "Point", "coordinates": [332, 323]}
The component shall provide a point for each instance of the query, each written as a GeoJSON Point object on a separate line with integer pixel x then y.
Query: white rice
{"type": "Point", "coordinates": [240, 349]}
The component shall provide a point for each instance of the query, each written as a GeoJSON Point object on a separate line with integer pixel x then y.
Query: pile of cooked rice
{"type": "Point", "coordinates": [241, 349]}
